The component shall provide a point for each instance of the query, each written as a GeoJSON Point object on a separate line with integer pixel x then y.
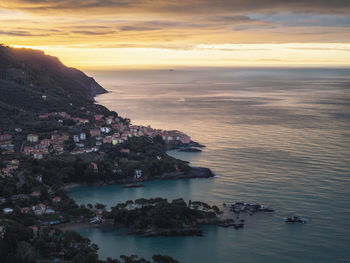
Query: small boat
{"type": "Point", "coordinates": [237, 226]}
{"type": "Point", "coordinates": [135, 185]}
{"type": "Point", "coordinates": [295, 219]}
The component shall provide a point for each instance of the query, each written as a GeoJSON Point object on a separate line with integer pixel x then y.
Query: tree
{"type": "Point", "coordinates": [163, 259]}
{"type": "Point", "coordinates": [25, 252]}
{"type": "Point", "coordinates": [44, 195]}
{"type": "Point", "coordinates": [100, 206]}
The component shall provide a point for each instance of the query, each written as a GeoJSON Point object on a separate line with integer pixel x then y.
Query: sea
{"type": "Point", "coordinates": [278, 137]}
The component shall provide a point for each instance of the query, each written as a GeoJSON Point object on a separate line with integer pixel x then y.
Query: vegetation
{"type": "Point", "coordinates": [160, 217]}
{"type": "Point", "coordinates": [34, 84]}
{"type": "Point", "coordinates": [27, 75]}
{"type": "Point", "coordinates": [24, 245]}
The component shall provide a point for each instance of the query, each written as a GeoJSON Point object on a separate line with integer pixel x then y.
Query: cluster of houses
{"type": "Point", "coordinates": [168, 136]}
{"type": "Point", "coordinates": [38, 209]}
{"type": "Point", "coordinates": [63, 115]}
{"type": "Point", "coordinates": [6, 145]}
{"type": "Point", "coordinates": [41, 148]}
{"type": "Point", "coordinates": [2, 231]}
{"type": "Point", "coordinates": [10, 167]}
{"type": "Point", "coordinates": [106, 130]}
{"type": "Point", "coordinates": [102, 130]}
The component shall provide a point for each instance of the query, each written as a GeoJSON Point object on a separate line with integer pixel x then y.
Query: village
{"type": "Point", "coordinates": [86, 137]}
{"type": "Point", "coordinates": [76, 136]}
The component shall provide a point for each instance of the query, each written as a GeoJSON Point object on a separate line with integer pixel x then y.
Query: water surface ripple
{"type": "Point", "coordinates": [275, 136]}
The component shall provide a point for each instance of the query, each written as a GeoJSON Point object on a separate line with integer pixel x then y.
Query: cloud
{"type": "Point", "coordinates": [235, 19]}
{"type": "Point", "coordinates": [86, 32]}
{"type": "Point", "coordinates": [173, 24]}
{"type": "Point", "coordinates": [183, 7]}
{"type": "Point", "coordinates": [256, 27]}
{"type": "Point", "coordinates": [137, 28]}
{"type": "Point", "coordinates": [21, 33]}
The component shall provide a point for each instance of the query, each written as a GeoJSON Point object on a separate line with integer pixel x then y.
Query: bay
{"type": "Point", "coordinates": [279, 137]}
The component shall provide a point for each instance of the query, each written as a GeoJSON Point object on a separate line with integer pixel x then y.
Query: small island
{"type": "Point", "coordinates": [158, 217]}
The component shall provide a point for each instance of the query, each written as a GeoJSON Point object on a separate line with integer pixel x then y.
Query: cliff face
{"type": "Point", "coordinates": [34, 82]}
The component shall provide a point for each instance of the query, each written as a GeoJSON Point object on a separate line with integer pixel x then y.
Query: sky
{"type": "Point", "coordinates": [104, 34]}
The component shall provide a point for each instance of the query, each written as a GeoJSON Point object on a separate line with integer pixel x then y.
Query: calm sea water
{"type": "Point", "coordinates": [280, 137]}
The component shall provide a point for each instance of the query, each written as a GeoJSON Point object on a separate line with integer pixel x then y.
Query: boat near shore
{"type": "Point", "coordinates": [295, 219]}
{"type": "Point", "coordinates": [134, 185]}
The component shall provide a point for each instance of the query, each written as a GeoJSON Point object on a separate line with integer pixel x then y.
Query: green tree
{"type": "Point", "coordinates": [163, 259]}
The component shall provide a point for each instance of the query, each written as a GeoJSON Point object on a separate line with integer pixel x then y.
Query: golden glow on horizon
{"type": "Point", "coordinates": [311, 54]}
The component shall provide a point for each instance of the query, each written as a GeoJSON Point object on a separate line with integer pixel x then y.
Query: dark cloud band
{"type": "Point", "coordinates": [184, 6]}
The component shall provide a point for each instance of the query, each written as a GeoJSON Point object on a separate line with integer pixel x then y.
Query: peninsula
{"type": "Point", "coordinates": [53, 134]}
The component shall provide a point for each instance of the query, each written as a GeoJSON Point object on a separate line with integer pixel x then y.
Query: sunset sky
{"type": "Point", "coordinates": [149, 33]}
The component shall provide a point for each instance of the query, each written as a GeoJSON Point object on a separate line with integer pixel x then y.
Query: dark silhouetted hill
{"type": "Point", "coordinates": [33, 82]}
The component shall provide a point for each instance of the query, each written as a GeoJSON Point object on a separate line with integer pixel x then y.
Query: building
{"type": "Point", "coordinates": [28, 150]}
{"type": "Point", "coordinates": [109, 120]}
{"type": "Point", "coordinates": [2, 200]}
{"type": "Point", "coordinates": [95, 132]}
{"type": "Point", "coordinates": [7, 211]}
{"type": "Point", "coordinates": [137, 174]}
{"type": "Point", "coordinates": [39, 209]}
{"type": "Point", "coordinates": [116, 140]}
{"type": "Point", "coordinates": [35, 194]}
{"type": "Point", "coordinates": [39, 179]}
{"type": "Point", "coordinates": [185, 139]}
{"type": "Point", "coordinates": [107, 139]}
{"type": "Point", "coordinates": [83, 136]}
{"type": "Point", "coordinates": [94, 166]}
{"type": "Point", "coordinates": [2, 231]}
{"type": "Point", "coordinates": [49, 211]}
{"type": "Point", "coordinates": [125, 150]}
{"type": "Point", "coordinates": [5, 137]}
{"type": "Point", "coordinates": [56, 199]}
{"type": "Point", "coordinates": [44, 116]}
{"type": "Point", "coordinates": [98, 117]}
{"type": "Point", "coordinates": [25, 210]}
{"type": "Point", "coordinates": [38, 155]}
{"type": "Point", "coordinates": [65, 136]}
{"type": "Point", "coordinates": [76, 138]}
{"type": "Point", "coordinates": [32, 138]}
{"type": "Point", "coordinates": [105, 129]}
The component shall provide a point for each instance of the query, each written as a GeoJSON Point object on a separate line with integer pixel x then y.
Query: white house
{"type": "Point", "coordinates": [137, 174]}
{"type": "Point", "coordinates": [39, 179]}
{"type": "Point", "coordinates": [105, 129]}
{"type": "Point", "coordinates": [38, 155]}
{"type": "Point", "coordinates": [83, 136]}
{"type": "Point", "coordinates": [7, 210]}
{"type": "Point", "coordinates": [39, 209]}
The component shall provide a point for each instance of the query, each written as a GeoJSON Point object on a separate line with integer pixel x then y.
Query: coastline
{"type": "Point", "coordinates": [196, 172]}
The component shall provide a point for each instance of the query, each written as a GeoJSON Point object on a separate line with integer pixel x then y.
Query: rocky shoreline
{"type": "Point", "coordinates": [188, 231]}
{"type": "Point", "coordinates": [195, 172]}
{"type": "Point", "coordinates": [180, 146]}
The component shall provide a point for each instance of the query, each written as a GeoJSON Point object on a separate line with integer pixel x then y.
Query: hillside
{"type": "Point", "coordinates": [33, 82]}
